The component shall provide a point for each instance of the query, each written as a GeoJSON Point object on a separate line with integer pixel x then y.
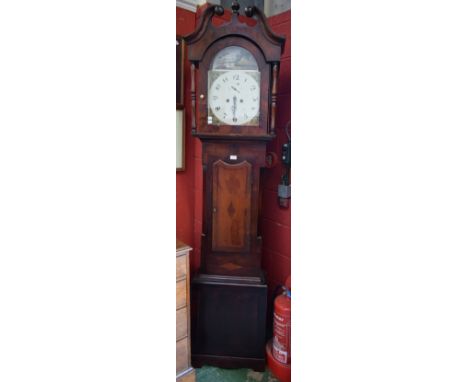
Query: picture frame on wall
{"type": "Point", "coordinates": [179, 72]}
{"type": "Point", "coordinates": [180, 141]}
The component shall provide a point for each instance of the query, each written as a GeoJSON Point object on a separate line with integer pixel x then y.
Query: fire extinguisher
{"type": "Point", "coordinates": [281, 346]}
{"type": "Point", "coordinates": [278, 349]}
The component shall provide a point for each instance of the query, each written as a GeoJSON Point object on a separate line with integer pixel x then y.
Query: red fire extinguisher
{"type": "Point", "coordinates": [279, 347]}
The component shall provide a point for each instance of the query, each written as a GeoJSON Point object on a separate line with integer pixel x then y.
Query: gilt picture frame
{"type": "Point", "coordinates": [179, 72]}
{"type": "Point", "coordinates": [180, 141]}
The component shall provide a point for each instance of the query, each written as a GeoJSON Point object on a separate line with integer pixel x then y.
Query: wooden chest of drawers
{"type": "Point", "coordinates": [184, 371]}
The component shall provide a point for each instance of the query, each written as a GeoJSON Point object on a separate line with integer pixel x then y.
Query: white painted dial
{"type": "Point", "coordinates": [234, 97]}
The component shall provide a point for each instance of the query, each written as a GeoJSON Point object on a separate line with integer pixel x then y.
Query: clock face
{"type": "Point", "coordinates": [234, 97]}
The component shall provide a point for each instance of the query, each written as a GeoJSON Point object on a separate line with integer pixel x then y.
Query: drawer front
{"type": "Point", "coordinates": [181, 294]}
{"type": "Point", "coordinates": [181, 320]}
{"type": "Point", "coordinates": [181, 266]}
{"type": "Point", "coordinates": [182, 355]}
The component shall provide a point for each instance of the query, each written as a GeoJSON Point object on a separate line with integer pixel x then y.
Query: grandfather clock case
{"type": "Point", "coordinates": [234, 72]}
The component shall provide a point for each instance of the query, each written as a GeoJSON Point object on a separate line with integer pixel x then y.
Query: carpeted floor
{"type": "Point", "coordinates": [214, 374]}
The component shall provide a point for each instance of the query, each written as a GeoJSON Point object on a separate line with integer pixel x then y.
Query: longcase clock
{"type": "Point", "coordinates": [234, 72]}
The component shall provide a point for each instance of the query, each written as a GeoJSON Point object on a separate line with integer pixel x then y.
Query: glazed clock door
{"type": "Point", "coordinates": [233, 90]}
{"type": "Point", "coordinates": [231, 206]}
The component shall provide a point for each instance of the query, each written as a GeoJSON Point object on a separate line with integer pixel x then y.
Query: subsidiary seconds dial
{"type": "Point", "coordinates": [234, 97]}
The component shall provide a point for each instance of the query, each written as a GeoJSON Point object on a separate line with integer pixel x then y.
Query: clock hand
{"type": "Point", "coordinates": [235, 89]}
{"type": "Point", "coordinates": [234, 106]}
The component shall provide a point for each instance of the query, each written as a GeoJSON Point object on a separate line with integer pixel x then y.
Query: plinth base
{"type": "Point", "coordinates": [228, 321]}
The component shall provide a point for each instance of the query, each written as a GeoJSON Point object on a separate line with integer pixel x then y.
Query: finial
{"type": "Point", "coordinates": [249, 11]}
{"type": "Point", "coordinates": [219, 10]}
{"type": "Point", "coordinates": [235, 7]}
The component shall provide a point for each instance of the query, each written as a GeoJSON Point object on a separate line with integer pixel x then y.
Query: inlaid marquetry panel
{"type": "Point", "coordinates": [231, 206]}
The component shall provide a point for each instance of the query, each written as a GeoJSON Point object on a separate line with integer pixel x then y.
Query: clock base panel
{"type": "Point", "coordinates": [229, 322]}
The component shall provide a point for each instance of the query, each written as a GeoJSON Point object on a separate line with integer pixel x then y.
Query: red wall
{"type": "Point", "coordinates": [185, 24]}
{"type": "Point", "coordinates": [275, 224]}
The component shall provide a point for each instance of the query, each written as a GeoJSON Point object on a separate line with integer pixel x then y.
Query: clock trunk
{"type": "Point", "coordinates": [231, 244]}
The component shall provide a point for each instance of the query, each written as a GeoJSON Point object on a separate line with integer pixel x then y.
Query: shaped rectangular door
{"type": "Point", "coordinates": [231, 215]}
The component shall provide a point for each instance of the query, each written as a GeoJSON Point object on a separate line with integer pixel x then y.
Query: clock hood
{"type": "Point", "coordinates": [270, 44]}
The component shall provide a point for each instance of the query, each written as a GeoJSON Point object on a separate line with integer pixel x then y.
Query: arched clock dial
{"type": "Point", "coordinates": [234, 97]}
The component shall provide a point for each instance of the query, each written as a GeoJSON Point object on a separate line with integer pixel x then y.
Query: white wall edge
{"type": "Point", "coordinates": [190, 5]}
